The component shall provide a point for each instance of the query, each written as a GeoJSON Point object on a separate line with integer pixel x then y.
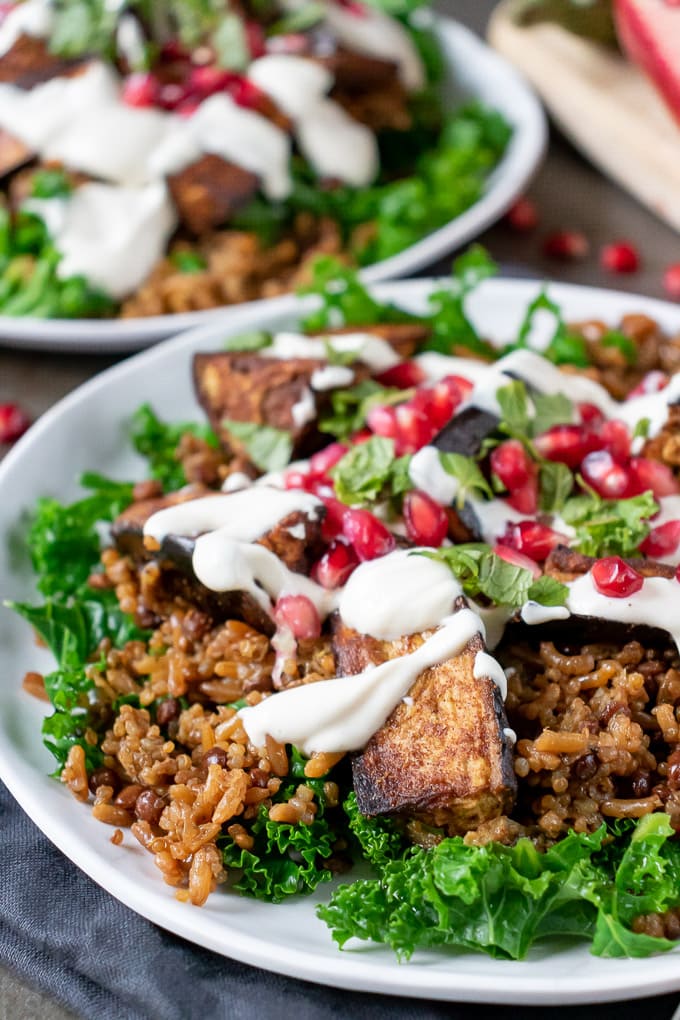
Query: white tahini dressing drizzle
{"type": "Point", "coordinates": [401, 593]}
{"type": "Point", "coordinates": [33, 17]}
{"type": "Point", "coordinates": [343, 714]}
{"type": "Point", "coordinates": [242, 516]}
{"type": "Point", "coordinates": [427, 473]}
{"type": "Point", "coordinates": [337, 146]}
{"type": "Point", "coordinates": [371, 350]}
{"type": "Point", "coordinates": [304, 410]}
{"type": "Point", "coordinates": [331, 377]}
{"type": "Point", "coordinates": [112, 236]}
{"type": "Point", "coordinates": [654, 605]}
{"type": "Point", "coordinates": [373, 33]}
{"type": "Point", "coordinates": [486, 666]}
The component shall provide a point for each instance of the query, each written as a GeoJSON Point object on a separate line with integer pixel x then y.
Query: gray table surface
{"type": "Point", "coordinates": [569, 193]}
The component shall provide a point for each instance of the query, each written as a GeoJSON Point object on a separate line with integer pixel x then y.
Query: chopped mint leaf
{"type": "Point", "coordinates": [481, 572]}
{"type": "Point", "coordinates": [345, 301]}
{"type": "Point", "coordinates": [50, 184]}
{"type": "Point", "coordinates": [269, 449]}
{"type": "Point", "coordinates": [615, 338]}
{"type": "Point", "coordinates": [609, 527]}
{"type": "Point", "coordinates": [253, 340]}
{"type": "Point", "coordinates": [550, 409]}
{"type": "Point", "coordinates": [471, 481]}
{"type": "Point", "coordinates": [548, 591]}
{"type": "Point", "coordinates": [565, 348]}
{"type": "Point", "coordinates": [362, 473]}
{"type": "Point", "coordinates": [513, 401]}
{"type": "Point", "coordinates": [350, 407]}
{"type": "Point", "coordinates": [230, 42]}
{"type": "Point", "coordinates": [188, 261]}
{"type": "Point", "coordinates": [641, 430]}
{"type": "Point", "coordinates": [400, 478]}
{"type": "Point", "coordinates": [556, 483]}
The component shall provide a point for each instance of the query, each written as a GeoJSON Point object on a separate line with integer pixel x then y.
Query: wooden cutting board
{"type": "Point", "coordinates": [603, 104]}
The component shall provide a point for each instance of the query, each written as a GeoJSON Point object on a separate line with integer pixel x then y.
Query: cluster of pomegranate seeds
{"type": "Point", "coordinates": [615, 578]}
{"type": "Point", "coordinates": [13, 422]}
{"type": "Point", "coordinates": [426, 521]}
{"type": "Point", "coordinates": [515, 469]}
{"type": "Point", "coordinates": [415, 422]}
{"type": "Point", "coordinates": [403, 376]}
{"type": "Point", "coordinates": [298, 614]}
{"type": "Point", "coordinates": [620, 257]}
{"type": "Point", "coordinates": [532, 539]}
{"type": "Point", "coordinates": [566, 245]}
{"type": "Point", "coordinates": [523, 215]}
{"type": "Point", "coordinates": [662, 540]}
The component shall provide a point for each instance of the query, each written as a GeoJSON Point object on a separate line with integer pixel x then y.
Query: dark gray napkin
{"type": "Point", "coordinates": [64, 935]}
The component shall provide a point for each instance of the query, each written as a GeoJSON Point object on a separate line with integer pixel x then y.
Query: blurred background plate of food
{"type": "Point", "coordinates": [609, 73]}
{"type": "Point", "coordinates": [163, 161]}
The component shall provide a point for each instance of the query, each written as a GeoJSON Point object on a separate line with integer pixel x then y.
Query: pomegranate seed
{"type": "Point", "coordinates": [335, 566]}
{"type": "Point", "coordinates": [367, 534]}
{"type": "Point", "coordinates": [296, 479]}
{"type": "Point", "coordinates": [173, 50]}
{"type": "Point", "coordinates": [170, 96]}
{"type": "Point", "coordinates": [662, 541]}
{"type": "Point", "coordinates": [671, 281]}
{"type": "Point", "coordinates": [615, 438]}
{"type": "Point", "coordinates": [426, 521]}
{"type": "Point", "coordinates": [652, 475]}
{"type": "Point", "coordinates": [517, 559]}
{"type": "Point", "coordinates": [590, 415]}
{"type": "Point", "coordinates": [620, 257]}
{"type": "Point", "coordinates": [322, 462]}
{"type": "Point", "coordinates": [523, 215]}
{"type": "Point", "coordinates": [652, 382]}
{"type": "Point", "coordinates": [246, 93]}
{"type": "Point", "coordinates": [608, 478]}
{"type": "Point", "coordinates": [525, 499]}
{"type": "Point", "coordinates": [402, 376]}
{"type": "Point", "coordinates": [362, 436]}
{"type": "Point", "coordinates": [188, 107]}
{"type": "Point", "coordinates": [614, 577]}
{"type": "Point", "coordinates": [437, 404]}
{"type": "Point", "coordinates": [256, 39]}
{"type": "Point", "coordinates": [331, 526]}
{"type": "Point", "coordinates": [383, 421]}
{"type": "Point", "coordinates": [511, 464]}
{"type": "Point", "coordinates": [461, 384]}
{"type": "Point", "coordinates": [532, 539]}
{"type": "Point", "coordinates": [13, 423]}
{"type": "Point", "coordinates": [207, 80]}
{"type": "Point", "coordinates": [567, 245]}
{"type": "Point", "coordinates": [414, 429]}
{"type": "Point", "coordinates": [140, 89]}
{"type": "Point", "coordinates": [298, 614]}
{"type": "Point", "coordinates": [566, 444]}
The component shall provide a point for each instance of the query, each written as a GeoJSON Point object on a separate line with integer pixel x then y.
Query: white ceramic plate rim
{"type": "Point", "coordinates": [477, 71]}
{"type": "Point", "coordinates": [286, 938]}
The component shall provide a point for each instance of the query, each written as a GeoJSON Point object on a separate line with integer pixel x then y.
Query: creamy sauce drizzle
{"type": "Point", "coordinates": [342, 714]}
{"type": "Point", "coordinates": [373, 351]}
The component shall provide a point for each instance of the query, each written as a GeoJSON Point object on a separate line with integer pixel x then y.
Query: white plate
{"type": "Point", "coordinates": [86, 430]}
{"type": "Point", "coordinates": [473, 70]}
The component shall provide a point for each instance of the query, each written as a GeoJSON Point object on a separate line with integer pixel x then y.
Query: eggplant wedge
{"type": "Point", "coordinates": [443, 757]}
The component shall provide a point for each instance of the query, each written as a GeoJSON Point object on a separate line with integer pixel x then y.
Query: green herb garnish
{"type": "Point", "coordinates": [269, 448]}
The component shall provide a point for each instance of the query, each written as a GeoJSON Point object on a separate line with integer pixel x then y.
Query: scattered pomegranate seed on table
{"type": "Point", "coordinates": [523, 215]}
{"type": "Point", "coordinates": [613, 577]}
{"type": "Point", "coordinates": [13, 422]}
{"type": "Point", "coordinates": [567, 245]}
{"type": "Point", "coordinates": [671, 280]}
{"type": "Point", "coordinates": [426, 521]}
{"type": "Point", "coordinates": [620, 257]}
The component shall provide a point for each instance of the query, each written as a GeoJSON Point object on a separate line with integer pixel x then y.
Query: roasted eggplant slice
{"type": "Point", "coordinates": [443, 757]}
{"type": "Point", "coordinates": [210, 191]}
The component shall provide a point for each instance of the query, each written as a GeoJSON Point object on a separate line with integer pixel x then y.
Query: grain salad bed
{"type": "Point", "coordinates": [190, 707]}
